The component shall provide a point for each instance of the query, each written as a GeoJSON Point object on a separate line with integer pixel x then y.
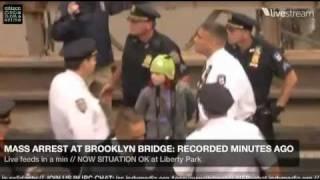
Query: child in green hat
{"type": "Point", "coordinates": [165, 104]}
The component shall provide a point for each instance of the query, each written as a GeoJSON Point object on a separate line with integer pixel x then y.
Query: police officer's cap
{"type": "Point", "coordinates": [215, 98]}
{"type": "Point", "coordinates": [6, 107]}
{"type": "Point", "coordinates": [79, 49]}
{"type": "Point", "coordinates": [241, 21]}
{"type": "Point", "coordinates": [143, 12]}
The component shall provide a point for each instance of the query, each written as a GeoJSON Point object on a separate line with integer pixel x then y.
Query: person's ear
{"type": "Point", "coordinates": [212, 40]}
{"type": "Point", "coordinates": [150, 25]}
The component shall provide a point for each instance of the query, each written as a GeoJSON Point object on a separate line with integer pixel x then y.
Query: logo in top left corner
{"type": "Point", "coordinates": [12, 13]}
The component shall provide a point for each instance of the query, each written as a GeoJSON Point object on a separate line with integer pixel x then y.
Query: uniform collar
{"type": "Point", "coordinates": [214, 55]}
{"type": "Point", "coordinates": [250, 49]}
{"type": "Point", "coordinates": [76, 76]}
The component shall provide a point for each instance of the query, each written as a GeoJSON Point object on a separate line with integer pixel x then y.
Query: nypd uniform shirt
{"type": "Point", "coordinates": [75, 114]}
{"type": "Point", "coordinates": [224, 69]}
{"type": "Point", "coordinates": [226, 128]}
{"type": "Point", "coordinates": [136, 60]}
{"type": "Point", "coordinates": [261, 61]}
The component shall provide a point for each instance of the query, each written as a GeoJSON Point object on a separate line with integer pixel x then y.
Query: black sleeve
{"type": "Point", "coordinates": [279, 64]}
{"type": "Point", "coordinates": [174, 51]}
{"type": "Point", "coordinates": [65, 27]}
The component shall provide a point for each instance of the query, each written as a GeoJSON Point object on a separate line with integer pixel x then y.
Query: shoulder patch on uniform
{"type": "Point", "coordinates": [81, 105]}
{"type": "Point", "coordinates": [277, 56]}
{"type": "Point", "coordinates": [147, 61]}
{"type": "Point", "coordinates": [221, 79]}
{"type": "Point", "coordinates": [175, 56]}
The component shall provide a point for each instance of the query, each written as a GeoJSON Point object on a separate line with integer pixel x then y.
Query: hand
{"type": "Point", "coordinates": [73, 8]}
{"type": "Point", "coordinates": [275, 111]}
{"type": "Point", "coordinates": [106, 93]}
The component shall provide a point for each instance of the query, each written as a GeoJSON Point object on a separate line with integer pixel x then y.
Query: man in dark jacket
{"type": "Point", "coordinates": [81, 19]}
{"type": "Point", "coordinates": [142, 45]}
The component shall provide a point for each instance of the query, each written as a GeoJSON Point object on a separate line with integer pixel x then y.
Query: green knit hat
{"type": "Point", "coordinates": [163, 64]}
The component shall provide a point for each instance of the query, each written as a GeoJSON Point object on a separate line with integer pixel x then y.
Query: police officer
{"type": "Point", "coordinates": [84, 19]}
{"type": "Point", "coordinates": [261, 62]}
{"type": "Point", "coordinates": [216, 100]}
{"type": "Point", "coordinates": [143, 44]}
{"type": "Point", "coordinates": [75, 114]}
{"type": "Point", "coordinates": [223, 68]}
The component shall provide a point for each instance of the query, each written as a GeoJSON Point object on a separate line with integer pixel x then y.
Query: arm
{"type": "Point", "coordinates": [248, 102]}
{"type": "Point", "coordinates": [288, 85]}
{"type": "Point", "coordinates": [283, 70]}
{"type": "Point", "coordinates": [116, 76]}
{"type": "Point", "coordinates": [80, 116]}
{"type": "Point", "coordinates": [189, 99]}
{"type": "Point", "coordinates": [142, 102]}
{"type": "Point", "coordinates": [117, 7]}
{"type": "Point", "coordinates": [66, 26]}
{"type": "Point", "coordinates": [117, 73]}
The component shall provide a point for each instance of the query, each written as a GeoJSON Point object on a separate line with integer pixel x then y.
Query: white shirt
{"type": "Point", "coordinates": [226, 128]}
{"type": "Point", "coordinates": [228, 71]}
{"type": "Point", "coordinates": [74, 112]}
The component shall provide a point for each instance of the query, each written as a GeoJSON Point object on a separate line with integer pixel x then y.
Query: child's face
{"type": "Point", "coordinates": [157, 79]}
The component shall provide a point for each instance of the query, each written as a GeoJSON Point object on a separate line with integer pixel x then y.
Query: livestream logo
{"type": "Point", "coordinates": [287, 13]}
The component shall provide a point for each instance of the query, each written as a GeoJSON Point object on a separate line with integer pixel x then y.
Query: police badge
{"type": "Point", "coordinates": [255, 57]}
{"type": "Point", "coordinates": [81, 105]}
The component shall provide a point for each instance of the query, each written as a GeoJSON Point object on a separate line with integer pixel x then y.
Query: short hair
{"type": "Point", "coordinates": [215, 29]}
{"type": "Point", "coordinates": [127, 116]}
{"type": "Point", "coordinates": [72, 64]}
